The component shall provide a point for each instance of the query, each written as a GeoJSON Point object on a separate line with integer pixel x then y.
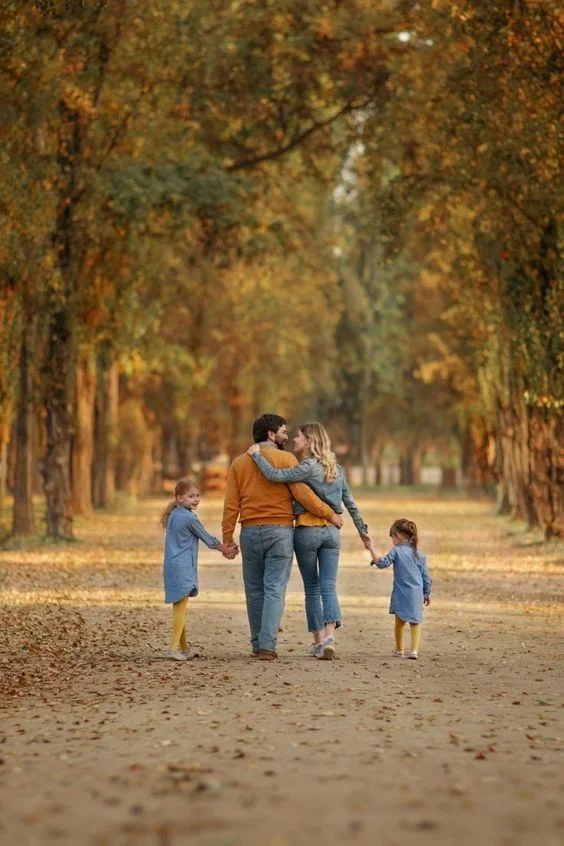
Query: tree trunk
{"type": "Point", "coordinates": [59, 404]}
{"type": "Point", "coordinates": [4, 468]}
{"type": "Point", "coordinates": [235, 402]}
{"type": "Point", "coordinates": [547, 471]}
{"type": "Point", "coordinates": [364, 433]}
{"type": "Point", "coordinates": [525, 507]}
{"type": "Point", "coordinates": [146, 466]}
{"type": "Point", "coordinates": [60, 368]}
{"type": "Point", "coordinates": [106, 433]}
{"type": "Point", "coordinates": [134, 441]}
{"type": "Point", "coordinates": [23, 522]}
{"type": "Point", "coordinates": [184, 452]}
{"type": "Point", "coordinates": [448, 478]}
{"type": "Point", "coordinates": [377, 464]}
{"type": "Point", "coordinates": [507, 496]}
{"type": "Point", "coordinates": [407, 473]}
{"type": "Point", "coordinates": [418, 456]}
{"type": "Point", "coordinates": [83, 442]}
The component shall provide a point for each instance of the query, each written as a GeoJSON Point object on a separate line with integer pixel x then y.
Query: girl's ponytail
{"type": "Point", "coordinates": [166, 514]}
{"type": "Point", "coordinates": [413, 537]}
{"type": "Point", "coordinates": [409, 530]}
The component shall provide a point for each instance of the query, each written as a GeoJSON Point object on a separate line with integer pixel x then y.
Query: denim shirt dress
{"type": "Point", "coordinates": [411, 582]}
{"type": "Point", "coordinates": [183, 533]}
{"type": "Point", "coordinates": [310, 471]}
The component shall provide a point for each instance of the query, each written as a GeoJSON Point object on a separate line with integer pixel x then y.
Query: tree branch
{"type": "Point", "coordinates": [270, 155]}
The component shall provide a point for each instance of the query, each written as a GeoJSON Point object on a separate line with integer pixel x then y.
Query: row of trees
{"type": "Point", "coordinates": [339, 209]}
{"type": "Point", "coordinates": [461, 164]}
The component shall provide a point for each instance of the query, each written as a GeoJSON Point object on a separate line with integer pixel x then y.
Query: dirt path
{"type": "Point", "coordinates": [102, 743]}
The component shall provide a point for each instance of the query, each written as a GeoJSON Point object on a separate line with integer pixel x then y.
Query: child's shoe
{"type": "Point", "coordinates": [413, 656]}
{"type": "Point", "coordinates": [176, 655]}
{"type": "Point", "coordinates": [328, 649]}
{"type": "Point", "coordinates": [398, 653]}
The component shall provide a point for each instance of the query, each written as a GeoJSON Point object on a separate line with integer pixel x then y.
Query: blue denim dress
{"type": "Point", "coordinates": [180, 569]}
{"type": "Point", "coordinates": [411, 582]}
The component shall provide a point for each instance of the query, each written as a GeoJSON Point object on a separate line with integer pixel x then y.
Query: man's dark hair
{"type": "Point", "coordinates": [265, 424]}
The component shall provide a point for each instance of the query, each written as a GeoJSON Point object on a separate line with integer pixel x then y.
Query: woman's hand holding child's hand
{"type": "Point", "coordinates": [369, 544]}
{"type": "Point", "coordinates": [253, 449]}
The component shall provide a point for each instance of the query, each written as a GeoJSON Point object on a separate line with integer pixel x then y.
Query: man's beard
{"type": "Point", "coordinates": [279, 445]}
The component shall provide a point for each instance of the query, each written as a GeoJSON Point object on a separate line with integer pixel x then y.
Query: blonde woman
{"type": "Point", "coordinates": [317, 542]}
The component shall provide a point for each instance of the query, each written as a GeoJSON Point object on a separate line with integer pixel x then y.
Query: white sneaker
{"type": "Point", "coordinates": [413, 656]}
{"type": "Point", "coordinates": [176, 655]}
{"type": "Point", "coordinates": [398, 653]}
{"type": "Point", "coordinates": [316, 650]}
{"type": "Point", "coordinates": [328, 649]}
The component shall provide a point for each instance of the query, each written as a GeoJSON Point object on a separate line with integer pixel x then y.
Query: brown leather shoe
{"type": "Point", "coordinates": [255, 653]}
{"type": "Point", "coordinates": [268, 655]}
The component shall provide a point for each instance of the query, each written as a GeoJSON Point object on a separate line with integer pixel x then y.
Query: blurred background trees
{"type": "Point", "coordinates": [347, 210]}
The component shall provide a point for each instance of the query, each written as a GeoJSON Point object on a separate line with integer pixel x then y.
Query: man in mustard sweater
{"type": "Point", "coordinates": [267, 530]}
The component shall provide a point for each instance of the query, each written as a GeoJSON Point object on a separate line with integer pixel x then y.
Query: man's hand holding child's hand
{"type": "Point", "coordinates": [229, 550]}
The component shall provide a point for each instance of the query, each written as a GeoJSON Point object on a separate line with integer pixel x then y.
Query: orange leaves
{"type": "Point", "coordinates": [352, 55]}
{"type": "Point", "coordinates": [324, 28]}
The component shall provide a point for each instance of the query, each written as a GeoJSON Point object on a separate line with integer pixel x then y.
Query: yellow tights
{"type": "Point", "coordinates": [178, 639]}
{"type": "Point", "coordinates": [415, 634]}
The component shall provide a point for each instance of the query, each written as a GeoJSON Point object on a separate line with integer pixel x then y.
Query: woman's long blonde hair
{"type": "Point", "coordinates": [319, 447]}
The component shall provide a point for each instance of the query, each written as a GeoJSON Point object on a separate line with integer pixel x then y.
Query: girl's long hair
{"type": "Point", "coordinates": [181, 487]}
{"type": "Point", "coordinates": [320, 448]}
{"type": "Point", "coordinates": [409, 530]}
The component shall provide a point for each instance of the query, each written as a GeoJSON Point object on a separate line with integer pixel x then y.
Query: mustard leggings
{"type": "Point", "coordinates": [415, 634]}
{"type": "Point", "coordinates": [178, 639]}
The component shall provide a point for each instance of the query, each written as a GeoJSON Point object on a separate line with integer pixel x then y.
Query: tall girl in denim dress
{"type": "Point", "coordinates": [317, 543]}
{"type": "Point", "coordinates": [180, 570]}
{"type": "Point", "coordinates": [412, 583]}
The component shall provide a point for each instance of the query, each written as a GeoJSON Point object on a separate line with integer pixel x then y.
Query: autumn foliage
{"type": "Point", "coordinates": [346, 210]}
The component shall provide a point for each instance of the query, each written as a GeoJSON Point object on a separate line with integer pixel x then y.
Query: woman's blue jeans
{"type": "Point", "coordinates": [317, 551]}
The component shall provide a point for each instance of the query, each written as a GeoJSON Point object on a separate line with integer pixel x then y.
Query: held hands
{"type": "Point", "coordinates": [253, 449]}
{"type": "Point", "coordinates": [368, 542]}
{"type": "Point", "coordinates": [229, 550]}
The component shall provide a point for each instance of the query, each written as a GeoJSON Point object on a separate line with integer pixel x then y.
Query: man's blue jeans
{"type": "Point", "coordinates": [317, 550]}
{"type": "Point", "coordinates": [267, 561]}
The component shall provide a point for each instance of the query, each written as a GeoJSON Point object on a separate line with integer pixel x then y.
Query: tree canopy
{"type": "Point", "coordinates": [348, 210]}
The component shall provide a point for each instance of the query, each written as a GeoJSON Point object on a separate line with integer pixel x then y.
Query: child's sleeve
{"type": "Point", "coordinates": [352, 508]}
{"type": "Point", "coordinates": [386, 560]}
{"type": "Point", "coordinates": [198, 529]}
{"type": "Point", "coordinates": [427, 581]}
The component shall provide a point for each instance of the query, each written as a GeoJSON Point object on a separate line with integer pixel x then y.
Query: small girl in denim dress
{"type": "Point", "coordinates": [412, 583]}
{"type": "Point", "coordinates": [180, 569]}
